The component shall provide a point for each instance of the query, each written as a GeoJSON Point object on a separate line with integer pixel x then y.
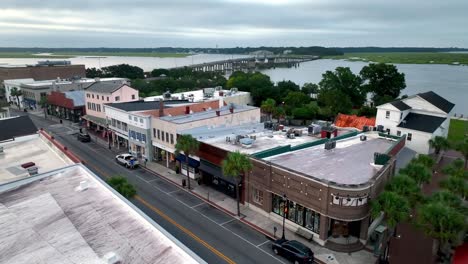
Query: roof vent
{"type": "Point", "coordinates": [84, 185]}
{"type": "Point", "coordinates": [111, 258]}
{"type": "Point", "coordinates": [330, 145]}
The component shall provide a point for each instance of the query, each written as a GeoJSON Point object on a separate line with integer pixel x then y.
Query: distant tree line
{"type": "Point", "coordinates": [394, 49]}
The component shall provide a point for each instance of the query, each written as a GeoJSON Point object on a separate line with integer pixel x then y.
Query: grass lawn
{"type": "Point", "coordinates": [406, 57]}
{"type": "Point", "coordinates": [458, 129]}
{"type": "Point", "coordinates": [66, 55]}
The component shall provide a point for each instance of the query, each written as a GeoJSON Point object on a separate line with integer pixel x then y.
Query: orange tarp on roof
{"type": "Point", "coordinates": [354, 121]}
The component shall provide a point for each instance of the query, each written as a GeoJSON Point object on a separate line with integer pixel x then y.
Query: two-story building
{"type": "Point", "coordinates": [100, 93]}
{"type": "Point", "coordinates": [421, 117]}
{"type": "Point", "coordinates": [66, 105]}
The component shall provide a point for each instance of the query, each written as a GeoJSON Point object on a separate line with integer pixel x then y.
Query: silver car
{"type": "Point", "coordinates": [127, 159]}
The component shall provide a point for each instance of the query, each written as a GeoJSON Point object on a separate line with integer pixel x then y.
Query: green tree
{"type": "Point", "coordinates": [345, 81]}
{"type": "Point", "coordinates": [456, 185]}
{"type": "Point", "coordinates": [159, 72]}
{"type": "Point", "coordinates": [383, 81]}
{"type": "Point", "coordinates": [395, 207]}
{"type": "Point", "coordinates": [285, 87]}
{"type": "Point", "coordinates": [268, 107]}
{"type": "Point", "coordinates": [123, 70]}
{"type": "Point", "coordinates": [279, 112]}
{"type": "Point", "coordinates": [405, 186]}
{"type": "Point", "coordinates": [310, 88]}
{"type": "Point", "coordinates": [438, 143]}
{"type": "Point", "coordinates": [448, 198]}
{"type": "Point", "coordinates": [296, 99]}
{"type": "Point", "coordinates": [121, 185]}
{"type": "Point", "coordinates": [306, 112]}
{"type": "Point", "coordinates": [189, 146]}
{"type": "Point", "coordinates": [94, 72]}
{"type": "Point", "coordinates": [235, 166]}
{"type": "Point", "coordinates": [43, 104]}
{"type": "Point", "coordinates": [457, 169]}
{"type": "Point", "coordinates": [418, 172]}
{"type": "Point", "coordinates": [335, 102]}
{"type": "Point", "coordinates": [441, 222]}
{"type": "Point", "coordinates": [425, 160]}
{"type": "Point", "coordinates": [367, 111]}
{"type": "Point", "coordinates": [16, 93]}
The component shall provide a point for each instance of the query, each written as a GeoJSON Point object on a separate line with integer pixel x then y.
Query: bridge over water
{"type": "Point", "coordinates": [251, 63]}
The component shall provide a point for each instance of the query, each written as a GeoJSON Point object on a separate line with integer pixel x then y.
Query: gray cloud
{"type": "Point", "coordinates": [228, 23]}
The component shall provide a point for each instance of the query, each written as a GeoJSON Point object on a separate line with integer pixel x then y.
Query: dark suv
{"type": "Point", "coordinates": [83, 137]}
{"type": "Point", "coordinates": [294, 251]}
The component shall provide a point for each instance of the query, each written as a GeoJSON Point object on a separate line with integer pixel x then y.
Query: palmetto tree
{"type": "Point", "coordinates": [425, 160]}
{"type": "Point", "coordinates": [395, 207]}
{"type": "Point", "coordinates": [268, 107]}
{"type": "Point", "coordinates": [16, 93]}
{"type": "Point", "coordinates": [439, 143]}
{"type": "Point", "coordinates": [407, 187]}
{"type": "Point", "coordinates": [440, 221]}
{"type": "Point", "coordinates": [189, 146]}
{"type": "Point", "coordinates": [463, 148]}
{"type": "Point", "coordinates": [418, 172]}
{"type": "Point", "coordinates": [235, 166]}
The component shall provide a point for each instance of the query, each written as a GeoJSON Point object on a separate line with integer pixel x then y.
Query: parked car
{"type": "Point", "coordinates": [83, 137]}
{"type": "Point", "coordinates": [127, 159]}
{"type": "Point", "coordinates": [294, 251]}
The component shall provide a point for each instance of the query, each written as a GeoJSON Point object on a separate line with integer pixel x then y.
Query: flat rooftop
{"type": "Point", "coordinates": [31, 148]}
{"type": "Point", "coordinates": [49, 218]}
{"type": "Point", "coordinates": [349, 163]}
{"type": "Point", "coordinates": [198, 95]}
{"type": "Point", "coordinates": [181, 119]}
{"type": "Point", "coordinates": [264, 138]}
{"type": "Point", "coordinates": [44, 83]}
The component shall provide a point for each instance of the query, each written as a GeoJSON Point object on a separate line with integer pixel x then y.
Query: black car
{"type": "Point", "coordinates": [293, 250]}
{"type": "Point", "coordinates": [83, 137]}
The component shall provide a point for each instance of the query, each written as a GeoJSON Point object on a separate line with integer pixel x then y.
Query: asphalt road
{"type": "Point", "coordinates": [212, 234]}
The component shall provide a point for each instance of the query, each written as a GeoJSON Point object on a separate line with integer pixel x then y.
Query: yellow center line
{"type": "Point", "coordinates": [185, 230]}
{"type": "Point", "coordinates": [170, 220]}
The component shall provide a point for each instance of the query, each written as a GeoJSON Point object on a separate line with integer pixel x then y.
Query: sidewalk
{"type": "Point", "coordinates": [259, 221]}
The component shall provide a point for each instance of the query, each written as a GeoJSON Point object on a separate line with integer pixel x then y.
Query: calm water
{"type": "Point", "coordinates": [449, 81]}
{"type": "Point", "coordinates": [146, 63]}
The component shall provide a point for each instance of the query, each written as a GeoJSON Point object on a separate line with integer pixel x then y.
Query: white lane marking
{"type": "Point", "coordinates": [228, 221]}
{"type": "Point", "coordinates": [261, 244]}
{"type": "Point", "coordinates": [198, 205]}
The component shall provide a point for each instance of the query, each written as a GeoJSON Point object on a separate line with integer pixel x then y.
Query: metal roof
{"type": "Point", "coordinates": [78, 97]}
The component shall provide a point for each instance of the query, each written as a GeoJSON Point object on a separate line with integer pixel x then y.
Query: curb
{"type": "Point", "coordinates": [257, 228]}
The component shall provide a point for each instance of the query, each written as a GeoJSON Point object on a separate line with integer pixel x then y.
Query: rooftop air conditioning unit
{"type": "Point", "coordinates": [363, 137]}
{"type": "Point", "coordinates": [365, 128]}
{"type": "Point", "coordinates": [330, 145]}
{"type": "Point", "coordinates": [380, 128]}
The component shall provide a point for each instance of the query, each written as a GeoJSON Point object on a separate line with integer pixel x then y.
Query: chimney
{"type": "Point", "coordinates": [218, 112]}
{"type": "Point", "coordinates": [187, 110]}
{"type": "Point", "coordinates": [161, 108]}
{"type": "Point", "coordinates": [221, 102]}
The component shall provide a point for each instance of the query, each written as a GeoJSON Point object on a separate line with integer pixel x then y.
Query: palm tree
{"type": "Point", "coordinates": [439, 143]}
{"type": "Point", "coordinates": [43, 104]}
{"type": "Point", "coordinates": [455, 185]}
{"type": "Point", "coordinates": [268, 106]}
{"type": "Point", "coordinates": [405, 186]}
{"type": "Point", "coordinates": [418, 171]}
{"type": "Point", "coordinates": [442, 222]}
{"type": "Point", "coordinates": [189, 146]}
{"type": "Point", "coordinates": [457, 169]}
{"type": "Point", "coordinates": [448, 198]}
{"type": "Point", "coordinates": [121, 185]}
{"type": "Point", "coordinates": [235, 166]}
{"type": "Point", "coordinates": [395, 207]}
{"type": "Point", "coordinates": [16, 93]}
{"type": "Point", "coordinates": [424, 159]}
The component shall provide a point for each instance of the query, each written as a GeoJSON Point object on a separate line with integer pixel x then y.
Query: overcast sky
{"type": "Point", "coordinates": [230, 23]}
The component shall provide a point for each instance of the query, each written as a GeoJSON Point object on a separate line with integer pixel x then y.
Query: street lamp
{"type": "Point", "coordinates": [108, 137]}
{"type": "Point", "coordinates": [285, 209]}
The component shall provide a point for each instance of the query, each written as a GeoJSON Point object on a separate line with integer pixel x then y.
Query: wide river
{"type": "Point", "coordinates": [449, 81]}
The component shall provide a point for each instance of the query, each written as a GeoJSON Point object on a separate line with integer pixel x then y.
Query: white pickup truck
{"type": "Point", "coordinates": [127, 159]}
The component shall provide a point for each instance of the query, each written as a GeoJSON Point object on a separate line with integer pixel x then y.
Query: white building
{"type": "Point", "coordinates": [208, 94]}
{"type": "Point", "coordinates": [421, 117]}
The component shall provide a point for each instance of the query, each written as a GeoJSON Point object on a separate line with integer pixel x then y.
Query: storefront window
{"type": "Point", "coordinates": [258, 196]}
{"type": "Point", "coordinates": [297, 213]}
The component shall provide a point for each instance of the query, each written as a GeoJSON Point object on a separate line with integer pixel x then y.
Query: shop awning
{"type": "Point", "coordinates": [97, 120]}
{"type": "Point", "coordinates": [192, 162]}
{"type": "Point", "coordinates": [210, 168]}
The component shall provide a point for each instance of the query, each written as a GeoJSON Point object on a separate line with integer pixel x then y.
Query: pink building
{"type": "Point", "coordinates": [101, 93]}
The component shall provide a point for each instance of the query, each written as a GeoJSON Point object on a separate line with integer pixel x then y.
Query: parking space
{"type": "Point", "coordinates": [246, 232]}
{"type": "Point", "coordinates": [213, 213]}
{"type": "Point", "coordinates": [186, 198]}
